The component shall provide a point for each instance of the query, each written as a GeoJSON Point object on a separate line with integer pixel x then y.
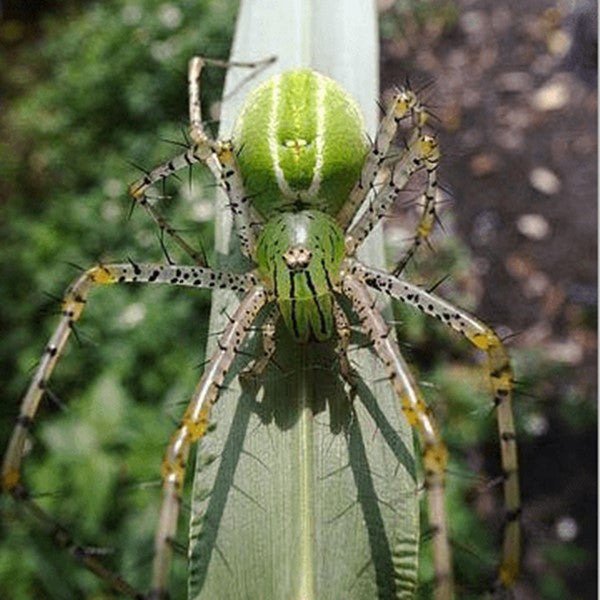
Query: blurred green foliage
{"type": "Point", "coordinates": [101, 85]}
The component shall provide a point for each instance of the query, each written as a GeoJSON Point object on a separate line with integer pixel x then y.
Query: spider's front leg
{"type": "Point", "coordinates": [73, 304]}
{"type": "Point", "coordinates": [192, 429]}
{"type": "Point", "coordinates": [501, 377]}
{"type": "Point", "coordinates": [420, 417]}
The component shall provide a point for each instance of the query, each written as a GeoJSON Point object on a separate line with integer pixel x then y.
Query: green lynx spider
{"type": "Point", "coordinates": [305, 188]}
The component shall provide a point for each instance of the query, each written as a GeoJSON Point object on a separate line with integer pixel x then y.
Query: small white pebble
{"type": "Point", "coordinates": [552, 96]}
{"type": "Point", "coordinates": [533, 226]}
{"type": "Point", "coordinates": [559, 42]}
{"type": "Point", "coordinates": [569, 352]}
{"type": "Point", "coordinates": [536, 424]}
{"type": "Point", "coordinates": [566, 529]}
{"type": "Point", "coordinates": [536, 285]}
{"type": "Point", "coordinates": [544, 180]}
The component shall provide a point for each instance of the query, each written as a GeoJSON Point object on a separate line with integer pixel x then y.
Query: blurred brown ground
{"type": "Point", "coordinates": [514, 88]}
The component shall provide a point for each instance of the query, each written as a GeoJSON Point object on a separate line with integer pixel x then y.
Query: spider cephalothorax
{"type": "Point", "coordinates": [299, 256]}
{"type": "Point", "coordinates": [305, 189]}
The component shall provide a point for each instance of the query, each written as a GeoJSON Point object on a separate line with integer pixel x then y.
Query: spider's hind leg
{"type": "Point", "coordinates": [74, 302]}
{"type": "Point", "coordinates": [219, 156]}
{"type": "Point", "coordinates": [405, 105]}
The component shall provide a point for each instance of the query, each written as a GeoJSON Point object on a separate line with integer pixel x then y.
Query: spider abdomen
{"type": "Point", "coordinates": [300, 142]}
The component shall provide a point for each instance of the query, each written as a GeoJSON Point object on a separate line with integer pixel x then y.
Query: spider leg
{"type": "Point", "coordinates": [431, 159]}
{"type": "Point", "coordinates": [218, 156]}
{"type": "Point", "coordinates": [501, 377]}
{"type": "Point", "coordinates": [192, 428]}
{"type": "Point", "coordinates": [197, 256]}
{"type": "Point", "coordinates": [421, 150]}
{"type": "Point", "coordinates": [73, 303]}
{"type": "Point", "coordinates": [195, 68]}
{"type": "Point", "coordinates": [245, 218]}
{"type": "Point", "coordinates": [203, 148]}
{"type": "Point", "coordinates": [137, 192]}
{"type": "Point", "coordinates": [267, 330]}
{"type": "Point", "coordinates": [420, 417]}
{"type": "Point", "coordinates": [405, 104]}
{"type": "Point", "coordinates": [61, 536]}
{"type": "Point", "coordinates": [344, 332]}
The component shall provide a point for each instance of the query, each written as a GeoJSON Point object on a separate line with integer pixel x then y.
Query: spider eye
{"type": "Point", "coordinates": [297, 257]}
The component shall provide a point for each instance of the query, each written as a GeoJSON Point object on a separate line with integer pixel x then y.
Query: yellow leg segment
{"type": "Point", "coordinates": [421, 151]}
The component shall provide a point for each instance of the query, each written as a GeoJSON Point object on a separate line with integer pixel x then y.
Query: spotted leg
{"type": "Point", "coordinates": [422, 150]}
{"type": "Point", "coordinates": [501, 377]}
{"type": "Point", "coordinates": [344, 332]}
{"type": "Point", "coordinates": [192, 428]}
{"type": "Point", "coordinates": [419, 416]}
{"type": "Point", "coordinates": [203, 149]}
{"type": "Point", "coordinates": [431, 159]}
{"type": "Point", "coordinates": [405, 104]}
{"type": "Point", "coordinates": [218, 156]}
{"type": "Point", "coordinates": [73, 303]}
{"type": "Point", "coordinates": [267, 331]}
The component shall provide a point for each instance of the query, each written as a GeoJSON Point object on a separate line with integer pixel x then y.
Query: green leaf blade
{"type": "Point", "coordinates": [300, 494]}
